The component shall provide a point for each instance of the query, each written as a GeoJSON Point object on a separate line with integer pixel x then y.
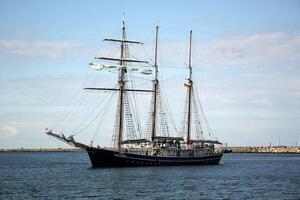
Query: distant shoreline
{"type": "Point", "coordinates": [42, 150]}
{"type": "Point", "coordinates": [260, 150]}
{"type": "Point", "coordinates": [267, 149]}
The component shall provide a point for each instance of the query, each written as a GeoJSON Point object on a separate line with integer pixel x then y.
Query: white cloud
{"type": "Point", "coordinates": [258, 47]}
{"type": "Point", "coordinates": [263, 102]}
{"type": "Point", "coordinates": [227, 100]}
{"type": "Point", "coordinates": [29, 49]}
{"type": "Point", "coordinates": [9, 130]}
{"type": "Point", "coordinates": [236, 51]}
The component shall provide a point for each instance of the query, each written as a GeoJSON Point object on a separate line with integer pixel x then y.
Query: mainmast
{"type": "Point", "coordinates": [190, 88]}
{"type": "Point", "coordinates": [155, 85]}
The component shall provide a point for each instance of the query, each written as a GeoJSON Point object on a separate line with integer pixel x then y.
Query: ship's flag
{"type": "Point", "coordinates": [186, 86]}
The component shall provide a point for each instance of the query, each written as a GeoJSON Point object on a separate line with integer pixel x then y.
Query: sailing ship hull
{"type": "Point", "coordinates": [109, 158]}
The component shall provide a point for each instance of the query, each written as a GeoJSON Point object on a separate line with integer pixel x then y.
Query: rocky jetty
{"type": "Point", "coordinates": [266, 149]}
{"type": "Point", "coordinates": [43, 150]}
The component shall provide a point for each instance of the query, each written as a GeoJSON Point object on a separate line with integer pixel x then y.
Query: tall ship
{"type": "Point", "coordinates": [156, 147]}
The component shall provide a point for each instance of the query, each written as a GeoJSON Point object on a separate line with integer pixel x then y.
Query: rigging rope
{"type": "Point", "coordinates": [101, 120]}
{"type": "Point", "coordinates": [165, 99]}
{"type": "Point", "coordinates": [80, 103]}
{"type": "Point", "coordinates": [134, 106]}
{"type": "Point", "coordinates": [183, 60]}
{"type": "Point", "coordinates": [168, 108]}
{"type": "Point", "coordinates": [80, 130]}
{"type": "Point", "coordinates": [90, 114]}
{"type": "Point", "coordinates": [65, 112]}
{"type": "Point", "coordinates": [208, 128]}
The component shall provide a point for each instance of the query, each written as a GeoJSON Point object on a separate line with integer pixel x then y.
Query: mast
{"type": "Point", "coordinates": [190, 82]}
{"type": "Point", "coordinates": [155, 85]}
{"type": "Point", "coordinates": [121, 84]}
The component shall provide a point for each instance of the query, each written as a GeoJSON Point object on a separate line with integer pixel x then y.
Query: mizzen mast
{"type": "Point", "coordinates": [190, 88]}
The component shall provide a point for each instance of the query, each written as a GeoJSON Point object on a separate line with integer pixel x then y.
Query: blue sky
{"type": "Point", "coordinates": [246, 62]}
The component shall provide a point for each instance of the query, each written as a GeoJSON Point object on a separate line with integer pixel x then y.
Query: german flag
{"type": "Point", "coordinates": [186, 86]}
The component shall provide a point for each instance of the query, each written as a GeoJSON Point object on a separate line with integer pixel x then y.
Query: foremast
{"type": "Point", "coordinates": [121, 84]}
{"type": "Point", "coordinates": [121, 89]}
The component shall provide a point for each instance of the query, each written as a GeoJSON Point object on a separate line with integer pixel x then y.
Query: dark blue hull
{"type": "Point", "coordinates": [108, 158]}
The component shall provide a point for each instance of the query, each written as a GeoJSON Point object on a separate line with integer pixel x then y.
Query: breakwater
{"type": "Point", "coordinates": [42, 150]}
{"type": "Point", "coordinates": [266, 149]}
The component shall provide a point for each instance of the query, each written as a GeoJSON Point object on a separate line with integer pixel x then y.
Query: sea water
{"type": "Point", "coordinates": [69, 175]}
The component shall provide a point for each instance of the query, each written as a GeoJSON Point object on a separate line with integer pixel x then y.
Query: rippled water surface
{"type": "Point", "coordinates": [70, 176]}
